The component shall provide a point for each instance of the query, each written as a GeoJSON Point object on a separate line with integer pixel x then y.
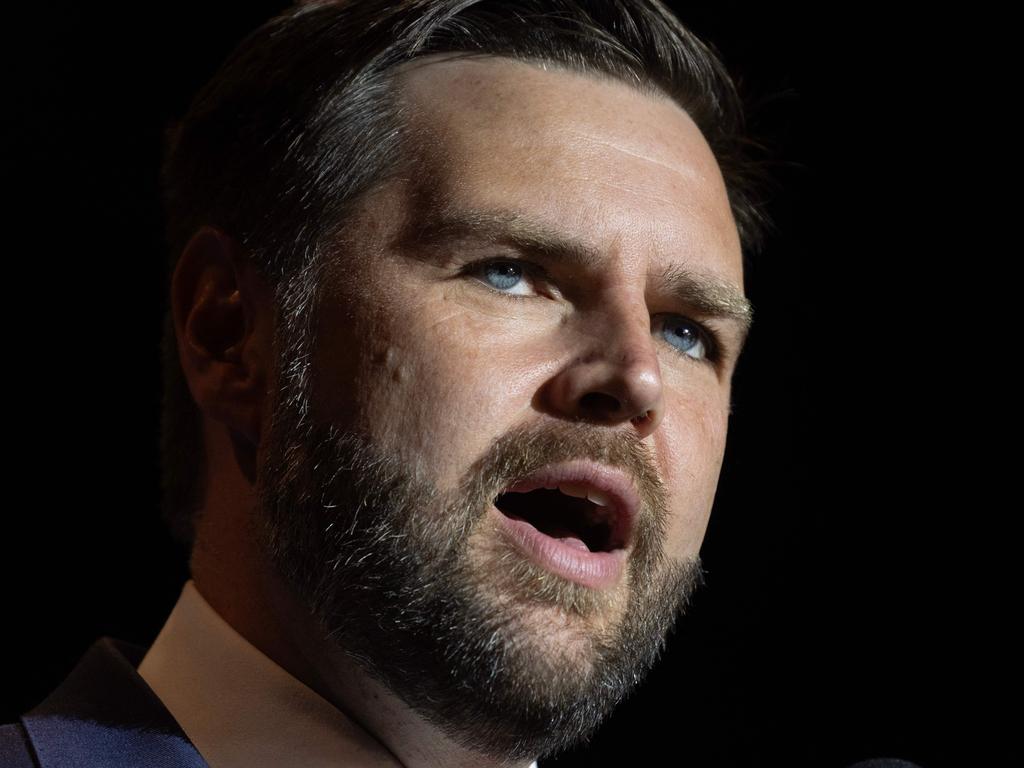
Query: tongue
{"type": "Point", "coordinates": [566, 537]}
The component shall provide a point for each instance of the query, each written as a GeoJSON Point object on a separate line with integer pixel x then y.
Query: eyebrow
{"type": "Point", "coordinates": [707, 293]}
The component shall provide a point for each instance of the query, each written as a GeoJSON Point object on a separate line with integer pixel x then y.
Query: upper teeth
{"type": "Point", "coordinates": [585, 492]}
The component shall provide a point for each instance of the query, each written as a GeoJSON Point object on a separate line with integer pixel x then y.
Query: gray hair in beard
{"type": "Point", "coordinates": [380, 557]}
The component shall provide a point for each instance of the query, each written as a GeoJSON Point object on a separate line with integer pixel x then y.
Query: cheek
{"type": "Point", "coordinates": [338, 366]}
{"type": "Point", "coordinates": [691, 449]}
{"type": "Point", "coordinates": [437, 391]}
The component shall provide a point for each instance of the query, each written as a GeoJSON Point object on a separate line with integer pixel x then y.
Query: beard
{"type": "Point", "coordinates": [414, 585]}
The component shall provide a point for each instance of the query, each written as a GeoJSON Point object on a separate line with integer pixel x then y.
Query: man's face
{"type": "Point", "coordinates": [445, 368]}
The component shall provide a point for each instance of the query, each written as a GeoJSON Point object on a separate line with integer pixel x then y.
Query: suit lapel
{"type": "Point", "coordinates": [105, 714]}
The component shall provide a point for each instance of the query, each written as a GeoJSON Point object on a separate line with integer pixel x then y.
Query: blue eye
{"type": "Point", "coordinates": [687, 335]}
{"type": "Point", "coordinates": [503, 275]}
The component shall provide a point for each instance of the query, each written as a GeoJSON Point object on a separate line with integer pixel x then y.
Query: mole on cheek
{"type": "Point", "coordinates": [395, 365]}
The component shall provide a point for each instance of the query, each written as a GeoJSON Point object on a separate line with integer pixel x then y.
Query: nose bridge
{"type": "Point", "coordinates": [620, 326]}
{"type": "Point", "coordinates": [615, 374]}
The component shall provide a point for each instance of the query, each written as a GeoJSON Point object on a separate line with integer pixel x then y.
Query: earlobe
{"type": "Point", "coordinates": [221, 310]}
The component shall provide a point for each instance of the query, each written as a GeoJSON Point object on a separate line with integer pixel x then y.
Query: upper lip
{"type": "Point", "coordinates": [612, 482]}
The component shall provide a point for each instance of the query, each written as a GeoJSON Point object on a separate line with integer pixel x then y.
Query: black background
{"type": "Point", "coordinates": [829, 629]}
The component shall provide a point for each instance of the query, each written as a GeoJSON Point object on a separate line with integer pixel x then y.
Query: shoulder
{"type": "Point", "coordinates": [103, 713]}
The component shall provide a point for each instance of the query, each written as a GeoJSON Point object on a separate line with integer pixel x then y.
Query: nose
{"type": "Point", "coordinates": [617, 376]}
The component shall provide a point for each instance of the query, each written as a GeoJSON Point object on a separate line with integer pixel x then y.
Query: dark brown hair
{"type": "Point", "coordinates": [302, 118]}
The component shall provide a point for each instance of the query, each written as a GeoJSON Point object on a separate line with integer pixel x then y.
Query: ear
{"type": "Point", "coordinates": [223, 319]}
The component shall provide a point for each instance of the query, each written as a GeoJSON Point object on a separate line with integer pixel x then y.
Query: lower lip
{"type": "Point", "coordinates": [597, 570]}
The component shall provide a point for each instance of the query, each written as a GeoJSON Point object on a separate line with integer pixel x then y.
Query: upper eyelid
{"type": "Point", "coordinates": [534, 271]}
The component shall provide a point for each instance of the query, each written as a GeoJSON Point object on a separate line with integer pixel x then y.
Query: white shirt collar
{"type": "Point", "coordinates": [239, 708]}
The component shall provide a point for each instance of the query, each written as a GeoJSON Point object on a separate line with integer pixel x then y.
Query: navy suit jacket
{"type": "Point", "coordinates": [103, 714]}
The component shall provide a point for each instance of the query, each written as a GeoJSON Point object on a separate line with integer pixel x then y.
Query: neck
{"type": "Point", "coordinates": [248, 595]}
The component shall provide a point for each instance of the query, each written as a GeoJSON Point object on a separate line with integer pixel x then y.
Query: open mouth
{"type": "Point", "coordinates": [576, 520]}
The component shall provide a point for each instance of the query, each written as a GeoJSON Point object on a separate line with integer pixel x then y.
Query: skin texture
{"type": "Point", "coordinates": [427, 391]}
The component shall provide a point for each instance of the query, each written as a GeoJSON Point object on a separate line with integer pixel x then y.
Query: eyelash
{"type": "Point", "coordinates": [712, 345]}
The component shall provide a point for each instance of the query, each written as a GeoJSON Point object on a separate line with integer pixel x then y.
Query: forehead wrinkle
{"type": "Point", "coordinates": [692, 172]}
{"type": "Point", "coordinates": [632, 190]}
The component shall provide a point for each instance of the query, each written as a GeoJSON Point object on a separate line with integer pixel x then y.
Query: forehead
{"type": "Point", "coordinates": [583, 153]}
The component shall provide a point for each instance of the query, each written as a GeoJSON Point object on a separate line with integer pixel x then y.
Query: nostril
{"type": "Point", "coordinates": [641, 418]}
{"type": "Point", "coordinates": [599, 403]}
